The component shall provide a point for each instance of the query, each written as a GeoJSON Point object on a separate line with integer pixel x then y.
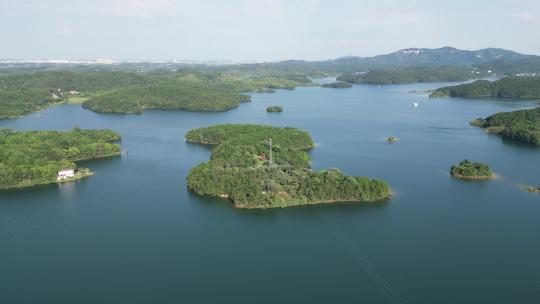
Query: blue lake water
{"type": "Point", "coordinates": [133, 233]}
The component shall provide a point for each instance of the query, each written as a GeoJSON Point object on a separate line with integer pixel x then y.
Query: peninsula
{"type": "Point", "coordinates": [513, 87]}
{"type": "Point", "coordinates": [258, 166]}
{"type": "Point", "coordinates": [131, 92]}
{"type": "Point", "coordinates": [521, 126]}
{"type": "Point", "coordinates": [41, 157]}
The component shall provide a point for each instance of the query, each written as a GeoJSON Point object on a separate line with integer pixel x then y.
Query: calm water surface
{"type": "Point", "coordinates": [132, 233]}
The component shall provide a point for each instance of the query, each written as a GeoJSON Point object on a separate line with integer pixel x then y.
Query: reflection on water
{"type": "Point", "coordinates": [68, 191]}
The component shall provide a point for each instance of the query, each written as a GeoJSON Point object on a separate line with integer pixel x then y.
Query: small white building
{"type": "Point", "coordinates": [65, 173]}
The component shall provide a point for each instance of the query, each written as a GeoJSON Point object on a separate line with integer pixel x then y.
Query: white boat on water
{"type": "Point", "coordinates": [415, 104]}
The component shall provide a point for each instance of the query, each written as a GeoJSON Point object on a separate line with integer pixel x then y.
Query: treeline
{"type": "Point", "coordinates": [35, 157]}
{"type": "Point", "coordinates": [412, 75]}
{"type": "Point", "coordinates": [259, 166]}
{"type": "Point", "coordinates": [248, 134]}
{"type": "Point", "coordinates": [521, 126]}
{"type": "Point", "coordinates": [337, 85]}
{"type": "Point", "coordinates": [129, 92]}
{"type": "Point", "coordinates": [508, 87]}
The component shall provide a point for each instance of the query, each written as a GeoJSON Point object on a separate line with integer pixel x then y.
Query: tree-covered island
{"type": "Point", "coordinates": [36, 157]}
{"type": "Point", "coordinates": [337, 85]}
{"type": "Point", "coordinates": [274, 109]}
{"type": "Point", "coordinates": [521, 126]}
{"type": "Point", "coordinates": [471, 170]}
{"type": "Point", "coordinates": [257, 166]}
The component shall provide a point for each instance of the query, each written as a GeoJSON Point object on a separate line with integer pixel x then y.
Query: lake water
{"type": "Point", "coordinates": [133, 233]}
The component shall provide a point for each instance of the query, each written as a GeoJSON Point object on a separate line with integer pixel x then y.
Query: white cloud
{"type": "Point", "coordinates": [137, 8]}
{"type": "Point", "coordinates": [523, 16]}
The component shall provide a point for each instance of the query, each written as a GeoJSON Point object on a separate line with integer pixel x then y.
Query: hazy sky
{"type": "Point", "coordinates": [259, 29]}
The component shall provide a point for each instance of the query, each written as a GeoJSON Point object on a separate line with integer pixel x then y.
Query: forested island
{"type": "Point", "coordinates": [526, 87]}
{"type": "Point", "coordinates": [35, 157]}
{"type": "Point", "coordinates": [521, 126]}
{"type": "Point", "coordinates": [412, 75]}
{"type": "Point", "coordinates": [274, 109]}
{"type": "Point", "coordinates": [257, 166]}
{"type": "Point", "coordinates": [471, 170]}
{"type": "Point", "coordinates": [131, 92]}
{"type": "Point", "coordinates": [337, 85]}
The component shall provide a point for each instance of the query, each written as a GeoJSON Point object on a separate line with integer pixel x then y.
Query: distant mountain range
{"type": "Point", "coordinates": [500, 60]}
{"type": "Point", "coordinates": [417, 57]}
{"type": "Point", "coordinates": [431, 57]}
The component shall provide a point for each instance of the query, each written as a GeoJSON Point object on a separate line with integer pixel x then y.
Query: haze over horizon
{"type": "Point", "coordinates": [259, 30]}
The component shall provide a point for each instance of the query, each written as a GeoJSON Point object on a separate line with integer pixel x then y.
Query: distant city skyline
{"type": "Point", "coordinates": [259, 30]}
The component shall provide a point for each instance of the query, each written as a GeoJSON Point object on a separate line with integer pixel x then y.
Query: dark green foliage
{"type": "Point", "coordinates": [522, 126]}
{"type": "Point", "coordinates": [242, 169]}
{"type": "Point", "coordinates": [508, 87]}
{"type": "Point", "coordinates": [274, 109]}
{"type": "Point", "coordinates": [467, 169]}
{"type": "Point", "coordinates": [411, 75]}
{"type": "Point", "coordinates": [337, 85]}
{"type": "Point", "coordinates": [35, 157]}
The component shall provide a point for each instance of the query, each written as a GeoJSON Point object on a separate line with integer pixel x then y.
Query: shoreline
{"type": "Point", "coordinates": [101, 157]}
{"type": "Point", "coordinates": [475, 177]}
{"type": "Point", "coordinates": [532, 189]}
{"type": "Point", "coordinates": [78, 176]}
{"type": "Point", "coordinates": [240, 206]}
{"type": "Point", "coordinates": [223, 196]}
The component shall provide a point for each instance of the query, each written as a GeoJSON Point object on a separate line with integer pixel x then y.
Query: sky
{"type": "Point", "coordinates": [259, 30]}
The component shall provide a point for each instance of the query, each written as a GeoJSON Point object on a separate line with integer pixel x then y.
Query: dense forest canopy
{"type": "Point", "coordinates": [522, 125]}
{"type": "Point", "coordinates": [167, 97]}
{"type": "Point", "coordinates": [259, 166]}
{"type": "Point", "coordinates": [34, 157]}
{"type": "Point", "coordinates": [527, 87]}
{"type": "Point", "coordinates": [468, 169]}
{"type": "Point", "coordinates": [412, 75]}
